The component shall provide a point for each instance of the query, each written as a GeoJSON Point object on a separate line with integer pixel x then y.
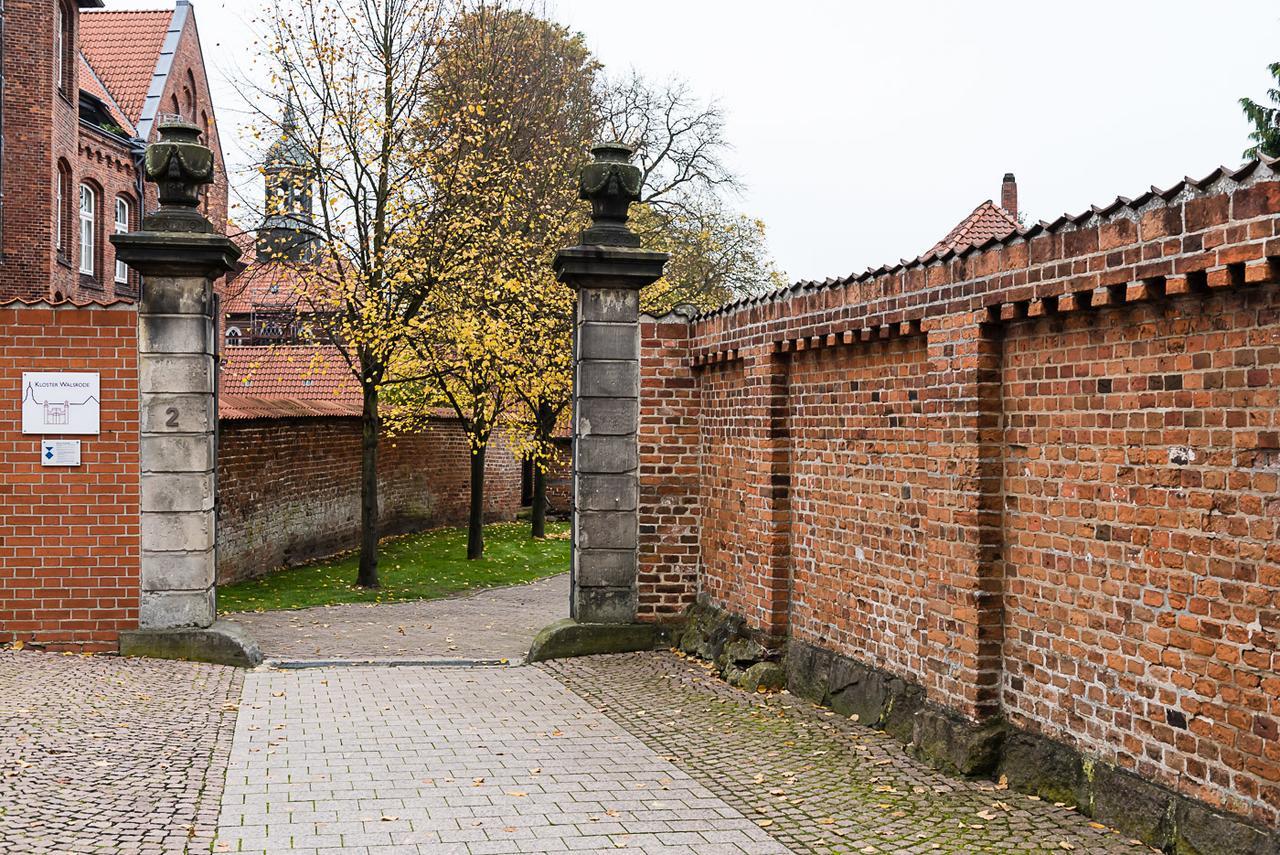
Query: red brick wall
{"type": "Point", "coordinates": [963, 503]}
{"type": "Point", "coordinates": [670, 474]}
{"type": "Point", "coordinates": [69, 537]}
{"type": "Point", "coordinates": [32, 109]}
{"type": "Point", "coordinates": [560, 478]}
{"type": "Point", "coordinates": [859, 492]}
{"type": "Point", "coordinates": [1141, 555]}
{"type": "Point", "coordinates": [289, 489]}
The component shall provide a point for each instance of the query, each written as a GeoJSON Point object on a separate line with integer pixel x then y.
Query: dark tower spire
{"type": "Point", "coordinates": [288, 232]}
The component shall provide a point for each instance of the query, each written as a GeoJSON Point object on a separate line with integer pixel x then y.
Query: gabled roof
{"type": "Point", "coordinates": [124, 48]}
{"type": "Point", "coordinates": [987, 222]}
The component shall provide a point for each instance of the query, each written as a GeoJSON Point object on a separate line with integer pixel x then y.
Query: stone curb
{"type": "Point", "coordinates": [566, 638]}
{"type": "Point", "coordinates": [223, 643]}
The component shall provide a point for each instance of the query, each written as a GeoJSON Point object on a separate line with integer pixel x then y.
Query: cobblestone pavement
{"type": "Point", "coordinates": [816, 781]}
{"type": "Point", "coordinates": [497, 623]}
{"type": "Point", "coordinates": [405, 759]}
{"type": "Point", "coordinates": [101, 754]}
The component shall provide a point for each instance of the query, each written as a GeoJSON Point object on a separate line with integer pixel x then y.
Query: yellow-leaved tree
{"type": "Point", "coordinates": [353, 100]}
{"type": "Point", "coordinates": [492, 347]}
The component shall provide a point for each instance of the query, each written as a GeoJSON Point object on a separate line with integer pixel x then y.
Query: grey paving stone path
{"type": "Point", "coordinates": [497, 623]}
{"type": "Point", "coordinates": [817, 781]}
{"type": "Point", "coordinates": [101, 754]}
{"type": "Point", "coordinates": [385, 759]}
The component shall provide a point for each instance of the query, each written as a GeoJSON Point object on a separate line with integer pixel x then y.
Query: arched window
{"type": "Point", "coordinates": [63, 41]}
{"type": "Point", "coordinates": [189, 97]}
{"type": "Point", "coordinates": [122, 225]}
{"type": "Point", "coordinates": [233, 336]}
{"type": "Point", "coordinates": [61, 212]}
{"type": "Point", "coordinates": [88, 230]}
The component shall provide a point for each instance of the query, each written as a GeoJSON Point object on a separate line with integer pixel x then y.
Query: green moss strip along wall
{"type": "Point", "coordinates": [1036, 480]}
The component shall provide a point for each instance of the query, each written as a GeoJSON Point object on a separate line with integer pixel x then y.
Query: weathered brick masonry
{"type": "Point", "coordinates": [1037, 477]}
{"type": "Point", "coordinates": [69, 537]}
{"type": "Point", "coordinates": [289, 489]}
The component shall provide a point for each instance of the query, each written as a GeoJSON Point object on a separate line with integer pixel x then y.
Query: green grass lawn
{"type": "Point", "coordinates": [413, 567]}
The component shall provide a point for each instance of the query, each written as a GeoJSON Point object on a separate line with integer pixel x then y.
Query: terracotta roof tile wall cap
{"type": "Point", "coordinates": [1122, 208]}
{"type": "Point", "coordinates": [75, 303]}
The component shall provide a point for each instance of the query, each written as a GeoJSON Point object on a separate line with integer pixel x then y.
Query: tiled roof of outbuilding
{"type": "Point", "coordinates": [987, 222]}
{"type": "Point", "coordinates": [244, 407]}
{"type": "Point", "coordinates": [264, 286]}
{"type": "Point", "coordinates": [305, 372]}
{"type": "Point", "coordinates": [123, 48]}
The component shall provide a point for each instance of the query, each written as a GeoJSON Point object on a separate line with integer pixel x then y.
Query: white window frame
{"type": "Point", "coordinates": [60, 214]}
{"type": "Point", "coordinates": [59, 48]}
{"type": "Point", "coordinates": [122, 227]}
{"type": "Point", "coordinates": [88, 229]}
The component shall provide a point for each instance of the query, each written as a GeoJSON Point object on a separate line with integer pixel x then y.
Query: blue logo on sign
{"type": "Point", "coordinates": [48, 452]}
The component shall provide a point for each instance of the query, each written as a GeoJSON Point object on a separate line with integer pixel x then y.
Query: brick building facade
{"type": "Point", "coordinates": [83, 89]}
{"type": "Point", "coordinates": [1034, 478]}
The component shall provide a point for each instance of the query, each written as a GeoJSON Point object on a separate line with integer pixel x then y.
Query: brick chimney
{"type": "Point", "coordinates": [1009, 194]}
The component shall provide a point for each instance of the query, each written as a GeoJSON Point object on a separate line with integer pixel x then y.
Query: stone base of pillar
{"type": "Point", "coordinates": [567, 638]}
{"type": "Point", "coordinates": [223, 643]}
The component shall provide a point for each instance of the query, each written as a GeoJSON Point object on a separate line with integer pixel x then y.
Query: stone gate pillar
{"type": "Point", "coordinates": [607, 269]}
{"type": "Point", "coordinates": [179, 255]}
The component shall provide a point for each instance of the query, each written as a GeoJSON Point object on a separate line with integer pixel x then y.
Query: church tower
{"type": "Point", "coordinates": [288, 232]}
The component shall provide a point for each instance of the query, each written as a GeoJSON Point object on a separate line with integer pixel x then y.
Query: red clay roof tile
{"type": "Point", "coordinates": [92, 84]}
{"type": "Point", "coordinates": [987, 221]}
{"type": "Point", "coordinates": [264, 286]}
{"type": "Point", "coordinates": [243, 407]}
{"type": "Point", "coordinates": [302, 372]}
{"type": "Point", "coordinates": [123, 47]}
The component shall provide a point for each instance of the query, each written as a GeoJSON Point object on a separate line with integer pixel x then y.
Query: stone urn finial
{"type": "Point", "coordinates": [180, 165]}
{"type": "Point", "coordinates": [611, 183]}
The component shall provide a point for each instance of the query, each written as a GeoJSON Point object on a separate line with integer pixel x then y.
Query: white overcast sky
{"type": "Point", "coordinates": [864, 131]}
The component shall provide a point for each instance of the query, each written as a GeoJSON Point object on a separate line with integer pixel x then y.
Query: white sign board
{"type": "Point", "coordinates": [58, 402]}
{"type": "Point", "coordinates": [60, 452]}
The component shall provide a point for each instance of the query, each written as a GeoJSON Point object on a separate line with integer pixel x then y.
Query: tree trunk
{"type": "Point", "coordinates": [545, 427]}
{"type": "Point", "coordinates": [539, 527]}
{"type": "Point", "coordinates": [368, 575]}
{"type": "Point", "coordinates": [475, 525]}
